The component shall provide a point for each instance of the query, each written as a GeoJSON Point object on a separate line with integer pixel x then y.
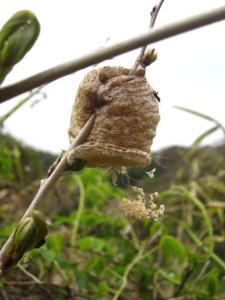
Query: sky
{"type": "Point", "coordinates": [189, 72]}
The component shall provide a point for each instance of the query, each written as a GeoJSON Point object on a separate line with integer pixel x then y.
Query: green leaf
{"type": "Point", "coordinates": [55, 242]}
{"type": "Point", "coordinates": [154, 228]}
{"type": "Point", "coordinates": [6, 162]}
{"type": "Point", "coordinates": [6, 230]}
{"type": "Point", "coordinates": [198, 141]}
{"type": "Point", "coordinates": [172, 249]}
{"type": "Point", "coordinates": [48, 255]}
{"type": "Point", "coordinates": [82, 279]}
{"type": "Point", "coordinates": [96, 263]}
{"type": "Point", "coordinates": [102, 290]}
{"type": "Point", "coordinates": [170, 276]}
{"type": "Point", "coordinates": [64, 263]}
{"type": "Point", "coordinates": [212, 282]}
{"type": "Point", "coordinates": [92, 244]}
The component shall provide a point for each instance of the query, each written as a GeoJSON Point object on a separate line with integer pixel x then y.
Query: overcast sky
{"type": "Point", "coordinates": [189, 72]}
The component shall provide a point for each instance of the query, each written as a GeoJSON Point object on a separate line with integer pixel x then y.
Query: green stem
{"type": "Point", "coordinates": [17, 106]}
{"type": "Point", "coordinates": [135, 239]}
{"type": "Point", "coordinates": [205, 215]}
{"type": "Point", "coordinates": [179, 191]}
{"type": "Point", "coordinates": [79, 212]}
{"type": "Point", "coordinates": [208, 251]}
{"type": "Point", "coordinates": [206, 117]}
{"type": "Point", "coordinates": [61, 272]}
{"type": "Point", "coordinates": [127, 271]}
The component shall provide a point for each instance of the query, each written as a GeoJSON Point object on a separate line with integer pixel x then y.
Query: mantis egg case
{"type": "Point", "coordinates": [127, 115]}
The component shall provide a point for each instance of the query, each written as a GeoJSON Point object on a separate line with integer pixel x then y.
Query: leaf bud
{"type": "Point", "coordinates": [17, 36]}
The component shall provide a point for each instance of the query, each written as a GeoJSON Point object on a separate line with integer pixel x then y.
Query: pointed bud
{"type": "Point", "coordinates": [149, 57]}
{"type": "Point", "coordinates": [29, 233]}
{"type": "Point", "coordinates": [17, 36]}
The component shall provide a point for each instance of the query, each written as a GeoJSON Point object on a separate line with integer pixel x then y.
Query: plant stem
{"type": "Point", "coordinates": [201, 207]}
{"type": "Point", "coordinates": [17, 106]}
{"type": "Point", "coordinates": [79, 212]}
{"type": "Point", "coordinates": [201, 115]}
{"type": "Point", "coordinates": [99, 55]}
{"type": "Point", "coordinates": [208, 251]}
{"type": "Point", "coordinates": [184, 280]}
{"type": "Point", "coordinates": [61, 272]}
{"type": "Point", "coordinates": [129, 267]}
{"type": "Point", "coordinates": [34, 278]}
{"type": "Point", "coordinates": [154, 14]}
{"type": "Point", "coordinates": [47, 183]}
{"type": "Point", "coordinates": [182, 191]}
{"type": "Point", "coordinates": [134, 238]}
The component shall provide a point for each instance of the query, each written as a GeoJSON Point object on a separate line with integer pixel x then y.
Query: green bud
{"type": "Point", "coordinates": [17, 36]}
{"type": "Point", "coordinates": [149, 57]}
{"type": "Point", "coordinates": [29, 233]}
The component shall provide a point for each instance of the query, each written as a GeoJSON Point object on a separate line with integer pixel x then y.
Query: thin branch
{"type": "Point", "coordinates": [184, 280]}
{"type": "Point", "coordinates": [99, 55]}
{"type": "Point", "coordinates": [80, 210]}
{"type": "Point", "coordinates": [4, 295]}
{"type": "Point", "coordinates": [47, 183]}
{"type": "Point", "coordinates": [61, 272]}
{"type": "Point", "coordinates": [129, 267]}
{"type": "Point", "coordinates": [154, 14]}
{"type": "Point", "coordinates": [34, 278]}
{"type": "Point", "coordinates": [201, 273]}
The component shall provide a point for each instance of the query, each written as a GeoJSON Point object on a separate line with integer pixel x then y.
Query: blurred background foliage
{"type": "Point", "coordinates": [93, 251]}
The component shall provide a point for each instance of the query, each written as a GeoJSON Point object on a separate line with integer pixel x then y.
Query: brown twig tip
{"type": "Point", "coordinates": [154, 13]}
{"type": "Point", "coordinates": [139, 61]}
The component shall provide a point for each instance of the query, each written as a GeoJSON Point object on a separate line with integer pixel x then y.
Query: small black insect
{"type": "Point", "coordinates": [156, 96]}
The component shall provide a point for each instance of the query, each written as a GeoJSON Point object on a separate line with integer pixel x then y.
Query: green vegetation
{"type": "Point", "coordinates": [94, 250]}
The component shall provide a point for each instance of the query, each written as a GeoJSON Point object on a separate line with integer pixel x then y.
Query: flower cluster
{"type": "Point", "coordinates": [143, 207]}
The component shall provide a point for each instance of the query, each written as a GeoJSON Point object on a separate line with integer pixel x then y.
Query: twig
{"type": "Point", "coordinates": [61, 272]}
{"type": "Point", "coordinates": [99, 55]}
{"type": "Point", "coordinates": [154, 14]}
{"type": "Point", "coordinates": [4, 294]}
{"type": "Point", "coordinates": [129, 267]}
{"type": "Point", "coordinates": [184, 280]}
{"type": "Point", "coordinates": [34, 278]}
{"type": "Point", "coordinates": [201, 273]}
{"type": "Point", "coordinates": [50, 181]}
{"type": "Point", "coordinates": [20, 283]}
